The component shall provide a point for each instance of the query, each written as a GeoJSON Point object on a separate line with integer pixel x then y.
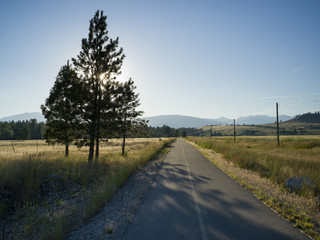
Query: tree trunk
{"type": "Point", "coordinates": [97, 144]}
{"type": "Point", "coordinates": [91, 144]}
{"type": "Point", "coordinates": [98, 126]}
{"type": "Point", "coordinates": [66, 154]}
{"type": "Point", "coordinates": [123, 142]}
{"type": "Point", "coordinates": [91, 150]}
{"type": "Point", "coordinates": [93, 126]}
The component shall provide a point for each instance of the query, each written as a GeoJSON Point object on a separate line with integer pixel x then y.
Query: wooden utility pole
{"type": "Point", "coordinates": [234, 130]}
{"type": "Point", "coordinates": [278, 125]}
{"type": "Point", "coordinates": [211, 132]}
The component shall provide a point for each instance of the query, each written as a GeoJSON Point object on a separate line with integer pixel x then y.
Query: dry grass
{"type": "Point", "coordinates": [294, 158]}
{"type": "Point", "coordinates": [36, 167]}
{"type": "Point", "coordinates": [12, 149]}
{"type": "Point", "coordinates": [301, 210]}
{"type": "Point", "coordinates": [267, 129]}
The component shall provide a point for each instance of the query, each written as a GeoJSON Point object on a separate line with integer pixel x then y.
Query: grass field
{"type": "Point", "coordinates": [297, 156]}
{"type": "Point", "coordinates": [286, 128]}
{"type": "Point", "coordinates": [32, 173]}
{"type": "Point", "coordinates": [16, 148]}
{"type": "Point", "coordinates": [262, 167]}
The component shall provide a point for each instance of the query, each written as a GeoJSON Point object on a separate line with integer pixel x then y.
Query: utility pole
{"type": "Point", "coordinates": [278, 125]}
{"type": "Point", "coordinates": [211, 132]}
{"type": "Point", "coordinates": [234, 130]}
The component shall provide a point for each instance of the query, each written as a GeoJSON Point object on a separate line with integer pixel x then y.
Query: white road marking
{"type": "Point", "coordinates": [204, 235]}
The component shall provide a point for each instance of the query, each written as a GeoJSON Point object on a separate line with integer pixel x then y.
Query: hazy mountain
{"type": "Point", "coordinates": [24, 117]}
{"type": "Point", "coordinates": [177, 121]}
{"type": "Point", "coordinates": [261, 119]}
{"type": "Point", "coordinates": [174, 121]}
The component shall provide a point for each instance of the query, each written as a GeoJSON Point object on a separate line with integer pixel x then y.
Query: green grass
{"type": "Point", "coordinates": [24, 177]}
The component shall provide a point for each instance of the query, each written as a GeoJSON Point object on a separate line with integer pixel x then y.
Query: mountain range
{"type": "Point", "coordinates": [174, 121]}
{"type": "Point", "coordinates": [177, 121]}
{"type": "Point", "coordinates": [24, 117]}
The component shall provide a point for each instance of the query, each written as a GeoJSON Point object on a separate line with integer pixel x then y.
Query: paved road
{"type": "Point", "coordinates": [193, 199]}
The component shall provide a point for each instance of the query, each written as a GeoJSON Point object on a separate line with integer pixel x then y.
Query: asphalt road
{"type": "Point", "coordinates": [193, 199]}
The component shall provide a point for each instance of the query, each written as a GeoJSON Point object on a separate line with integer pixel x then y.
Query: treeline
{"type": "Point", "coordinates": [32, 129]}
{"type": "Point", "coordinates": [166, 131]}
{"type": "Point", "coordinates": [308, 118]}
{"type": "Point", "coordinates": [21, 130]}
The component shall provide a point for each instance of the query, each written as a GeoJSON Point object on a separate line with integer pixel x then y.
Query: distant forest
{"type": "Point", "coordinates": [307, 118]}
{"type": "Point", "coordinates": [21, 130]}
{"type": "Point", "coordinates": [31, 129]}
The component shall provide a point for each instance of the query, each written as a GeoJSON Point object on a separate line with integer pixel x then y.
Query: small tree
{"type": "Point", "coordinates": [24, 133]}
{"type": "Point", "coordinates": [177, 134]}
{"type": "Point", "coordinates": [127, 114]}
{"type": "Point", "coordinates": [184, 134]}
{"type": "Point", "coordinates": [61, 109]}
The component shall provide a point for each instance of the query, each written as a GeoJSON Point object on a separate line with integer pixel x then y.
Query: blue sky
{"type": "Point", "coordinates": [199, 58]}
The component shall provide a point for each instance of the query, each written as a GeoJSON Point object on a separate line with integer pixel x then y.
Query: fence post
{"type": "Point", "coordinates": [234, 130]}
{"type": "Point", "coordinates": [14, 151]}
{"type": "Point", "coordinates": [278, 125]}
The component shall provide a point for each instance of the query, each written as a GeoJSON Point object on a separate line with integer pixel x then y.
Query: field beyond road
{"type": "Point", "coordinates": [263, 168]}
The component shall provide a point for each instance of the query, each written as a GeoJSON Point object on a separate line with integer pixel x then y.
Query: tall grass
{"type": "Point", "coordinates": [294, 158]}
{"type": "Point", "coordinates": [27, 179]}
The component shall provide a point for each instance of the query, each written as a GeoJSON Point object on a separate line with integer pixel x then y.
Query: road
{"type": "Point", "coordinates": [193, 199]}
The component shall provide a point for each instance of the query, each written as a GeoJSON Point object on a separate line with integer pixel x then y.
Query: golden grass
{"type": "Point", "coordinates": [295, 157]}
{"type": "Point", "coordinates": [35, 165]}
{"type": "Point", "coordinates": [301, 210]}
{"type": "Point", "coordinates": [266, 129]}
{"type": "Point", "coordinates": [20, 148]}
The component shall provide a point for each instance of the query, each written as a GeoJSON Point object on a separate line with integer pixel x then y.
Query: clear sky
{"type": "Point", "coordinates": [200, 58]}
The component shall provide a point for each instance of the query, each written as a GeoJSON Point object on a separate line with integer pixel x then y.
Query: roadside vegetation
{"type": "Point", "coordinates": [38, 190]}
{"type": "Point", "coordinates": [297, 156]}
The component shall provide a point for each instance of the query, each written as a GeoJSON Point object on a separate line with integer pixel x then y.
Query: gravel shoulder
{"type": "Point", "coordinates": [114, 219]}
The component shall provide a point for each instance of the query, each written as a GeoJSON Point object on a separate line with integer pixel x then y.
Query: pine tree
{"type": "Point", "coordinates": [127, 113]}
{"type": "Point", "coordinates": [98, 64]}
{"type": "Point", "coordinates": [61, 109]}
{"type": "Point", "coordinates": [24, 133]}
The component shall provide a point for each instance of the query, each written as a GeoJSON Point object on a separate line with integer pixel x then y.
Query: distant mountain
{"type": "Point", "coordinates": [174, 121]}
{"type": "Point", "coordinates": [177, 121]}
{"type": "Point", "coordinates": [261, 119]}
{"type": "Point", "coordinates": [24, 117]}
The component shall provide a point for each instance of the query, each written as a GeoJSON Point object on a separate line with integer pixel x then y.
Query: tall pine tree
{"type": "Point", "coordinates": [98, 64]}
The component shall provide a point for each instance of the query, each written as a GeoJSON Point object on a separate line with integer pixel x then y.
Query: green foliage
{"type": "Point", "coordinates": [21, 130]}
{"type": "Point", "coordinates": [61, 109]}
{"type": "Point", "coordinates": [6, 133]}
{"type": "Point", "coordinates": [97, 65]}
{"type": "Point", "coordinates": [24, 133]}
{"type": "Point", "coordinates": [307, 118]}
{"type": "Point", "coordinates": [127, 115]}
